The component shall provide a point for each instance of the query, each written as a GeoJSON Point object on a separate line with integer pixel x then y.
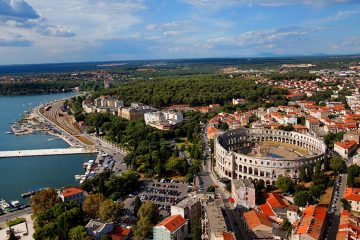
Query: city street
{"type": "Point", "coordinates": [207, 179]}
{"type": "Point", "coordinates": [13, 215]}
{"type": "Point", "coordinates": [335, 207]}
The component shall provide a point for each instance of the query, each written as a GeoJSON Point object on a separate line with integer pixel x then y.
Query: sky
{"type": "Point", "coordinates": [50, 31]}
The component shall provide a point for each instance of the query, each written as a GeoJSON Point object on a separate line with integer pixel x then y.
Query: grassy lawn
{"type": "Point", "coordinates": [14, 222]}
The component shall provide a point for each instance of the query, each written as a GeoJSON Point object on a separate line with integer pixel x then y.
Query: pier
{"type": "Point", "coordinates": [45, 152]}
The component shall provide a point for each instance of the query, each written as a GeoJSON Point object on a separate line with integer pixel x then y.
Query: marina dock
{"type": "Point", "coordinates": [45, 152]}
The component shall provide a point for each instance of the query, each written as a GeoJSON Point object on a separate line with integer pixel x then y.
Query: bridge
{"type": "Point", "coordinates": [45, 152]}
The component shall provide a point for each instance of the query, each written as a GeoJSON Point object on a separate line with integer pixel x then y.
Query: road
{"type": "Point", "coordinates": [13, 215]}
{"type": "Point", "coordinates": [334, 217]}
{"type": "Point", "coordinates": [207, 179]}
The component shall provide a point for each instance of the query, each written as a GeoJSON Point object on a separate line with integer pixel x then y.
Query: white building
{"type": "Point", "coordinates": [352, 195]}
{"type": "Point", "coordinates": [73, 194]}
{"type": "Point", "coordinates": [243, 193]}
{"type": "Point", "coordinates": [171, 228]}
{"type": "Point", "coordinates": [98, 228]}
{"type": "Point", "coordinates": [345, 148]}
{"type": "Point", "coordinates": [189, 208]}
{"type": "Point", "coordinates": [354, 102]}
{"type": "Point", "coordinates": [163, 119]}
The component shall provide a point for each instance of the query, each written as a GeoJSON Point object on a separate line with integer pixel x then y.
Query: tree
{"type": "Point", "coordinates": [196, 230]}
{"type": "Point", "coordinates": [302, 198]}
{"type": "Point", "coordinates": [337, 165]}
{"type": "Point", "coordinates": [110, 211]}
{"type": "Point", "coordinates": [285, 184]}
{"type": "Point", "coordinates": [316, 190]}
{"type": "Point", "coordinates": [143, 229]}
{"type": "Point", "coordinates": [287, 226]}
{"type": "Point", "coordinates": [176, 164]}
{"type": "Point", "coordinates": [149, 210]}
{"type": "Point", "coordinates": [228, 186]}
{"type": "Point", "coordinates": [43, 200]}
{"type": "Point", "coordinates": [106, 237]}
{"type": "Point", "coordinates": [345, 204]}
{"type": "Point", "coordinates": [78, 233]}
{"type": "Point", "coordinates": [12, 235]}
{"type": "Point", "coordinates": [224, 126]}
{"type": "Point", "coordinates": [303, 176]}
{"type": "Point", "coordinates": [353, 171]}
{"type": "Point", "coordinates": [137, 205]}
{"type": "Point", "coordinates": [92, 204]}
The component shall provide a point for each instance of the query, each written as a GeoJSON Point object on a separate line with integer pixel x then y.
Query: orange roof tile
{"type": "Point", "coordinates": [275, 201]}
{"type": "Point", "coordinates": [118, 233]}
{"type": "Point", "coordinates": [228, 236]}
{"type": "Point", "coordinates": [346, 144]}
{"type": "Point", "coordinates": [352, 194]}
{"type": "Point", "coordinates": [173, 222]}
{"type": "Point", "coordinates": [67, 192]}
{"type": "Point", "coordinates": [311, 222]}
{"type": "Point", "coordinates": [266, 209]}
{"type": "Point", "coordinates": [254, 218]}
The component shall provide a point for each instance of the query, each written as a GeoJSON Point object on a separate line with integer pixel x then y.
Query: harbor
{"type": "Point", "coordinates": [19, 174]}
{"type": "Point", "coordinates": [46, 152]}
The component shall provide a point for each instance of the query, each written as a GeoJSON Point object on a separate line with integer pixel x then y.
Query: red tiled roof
{"type": "Point", "coordinates": [254, 218]}
{"type": "Point", "coordinates": [275, 201]}
{"type": "Point", "coordinates": [311, 222]}
{"type": "Point", "coordinates": [173, 222]}
{"type": "Point", "coordinates": [352, 194]}
{"type": "Point", "coordinates": [266, 209]}
{"type": "Point", "coordinates": [348, 229]}
{"type": "Point", "coordinates": [299, 127]}
{"type": "Point", "coordinates": [228, 236]}
{"type": "Point", "coordinates": [118, 233]}
{"type": "Point", "coordinates": [346, 144]}
{"type": "Point", "coordinates": [67, 192]}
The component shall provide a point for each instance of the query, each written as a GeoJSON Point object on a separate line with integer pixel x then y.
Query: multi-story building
{"type": "Point", "coordinates": [171, 228]}
{"type": "Point", "coordinates": [88, 106]}
{"type": "Point", "coordinates": [349, 227]}
{"type": "Point", "coordinates": [274, 208]}
{"type": "Point", "coordinates": [257, 225]}
{"type": "Point", "coordinates": [73, 194]}
{"type": "Point", "coordinates": [189, 208]}
{"type": "Point", "coordinates": [354, 102]}
{"type": "Point", "coordinates": [354, 136]}
{"type": "Point", "coordinates": [312, 124]}
{"type": "Point", "coordinates": [346, 148]}
{"type": "Point", "coordinates": [352, 195]}
{"type": "Point", "coordinates": [243, 193]}
{"type": "Point", "coordinates": [163, 120]}
{"type": "Point", "coordinates": [213, 223]}
{"type": "Point", "coordinates": [311, 225]}
{"type": "Point", "coordinates": [98, 229]}
{"type": "Point", "coordinates": [135, 111]}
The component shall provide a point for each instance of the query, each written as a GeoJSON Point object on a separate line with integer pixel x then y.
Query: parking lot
{"type": "Point", "coordinates": [162, 192]}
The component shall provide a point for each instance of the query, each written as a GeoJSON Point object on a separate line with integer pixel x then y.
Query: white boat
{"type": "Point", "coordinates": [8, 132]}
{"type": "Point", "coordinates": [3, 204]}
{"type": "Point", "coordinates": [15, 203]}
{"type": "Point", "coordinates": [77, 177]}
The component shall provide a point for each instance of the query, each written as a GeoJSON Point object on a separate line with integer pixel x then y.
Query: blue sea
{"type": "Point", "coordinates": [18, 175]}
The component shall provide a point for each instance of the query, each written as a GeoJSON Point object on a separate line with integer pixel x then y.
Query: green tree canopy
{"type": "Point", "coordinates": [285, 184]}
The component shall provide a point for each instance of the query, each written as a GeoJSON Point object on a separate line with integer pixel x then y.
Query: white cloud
{"type": "Point", "coordinates": [260, 38]}
{"type": "Point", "coordinates": [268, 3]}
{"type": "Point", "coordinates": [16, 9]}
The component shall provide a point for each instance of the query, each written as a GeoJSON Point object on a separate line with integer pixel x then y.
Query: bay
{"type": "Point", "coordinates": [18, 175]}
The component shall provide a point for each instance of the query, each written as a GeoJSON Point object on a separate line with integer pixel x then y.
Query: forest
{"type": "Point", "coordinates": [195, 90]}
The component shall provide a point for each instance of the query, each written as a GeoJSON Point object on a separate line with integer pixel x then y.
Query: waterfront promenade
{"type": "Point", "coordinates": [46, 152]}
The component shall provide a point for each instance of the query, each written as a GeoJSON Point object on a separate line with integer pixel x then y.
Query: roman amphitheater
{"type": "Point", "coordinates": [265, 154]}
